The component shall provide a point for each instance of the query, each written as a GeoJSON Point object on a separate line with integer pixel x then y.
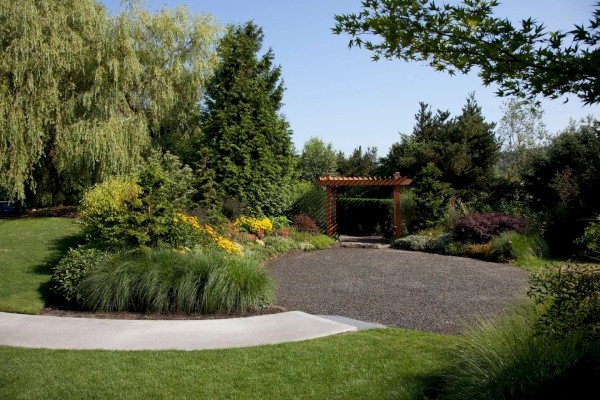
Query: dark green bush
{"type": "Point", "coordinates": [563, 185]}
{"type": "Point", "coordinates": [431, 197]}
{"type": "Point", "coordinates": [408, 211]}
{"type": "Point", "coordinates": [570, 296]}
{"type": "Point", "coordinates": [439, 243]}
{"type": "Point", "coordinates": [591, 239]}
{"type": "Point", "coordinates": [454, 248]}
{"type": "Point", "coordinates": [71, 270]}
{"type": "Point", "coordinates": [139, 210]}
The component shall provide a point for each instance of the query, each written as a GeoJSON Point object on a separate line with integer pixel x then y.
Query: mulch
{"type": "Point", "coordinates": [58, 312]}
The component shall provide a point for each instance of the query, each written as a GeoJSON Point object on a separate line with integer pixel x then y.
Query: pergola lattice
{"type": "Point", "coordinates": [333, 182]}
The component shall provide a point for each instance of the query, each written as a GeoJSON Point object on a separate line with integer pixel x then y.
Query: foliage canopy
{"type": "Point", "coordinates": [463, 149]}
{"type": "Point", "coordinates": [358, 163]}
{"type": "Point", "coordinates": [523, 60]}
{"type": "Point", "coordinates": [317, 159]}
{"type": "Point", "coordinates": [83, 94]}
{"type": "Point", "coordinates": [563, 184]}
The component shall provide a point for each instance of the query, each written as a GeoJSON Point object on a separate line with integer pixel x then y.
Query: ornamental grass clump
{"type": "Point", "coordinates": [238, 284]}
{"type": "Point", "coordinates": [505, 358]}
{"type": "Point", "coordinates": [511, 245]}
{"type": "Point", "coordinates": [165, 281]}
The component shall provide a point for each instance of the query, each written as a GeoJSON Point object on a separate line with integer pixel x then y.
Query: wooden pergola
{"type": "Point", "coordinates": [333, 182]}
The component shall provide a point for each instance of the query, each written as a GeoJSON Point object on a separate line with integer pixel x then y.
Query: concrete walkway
{"type": "Point", "coordinates": [40, 331]}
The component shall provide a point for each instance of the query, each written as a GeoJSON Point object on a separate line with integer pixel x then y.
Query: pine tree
{"type": "Point", "coordinates": [463, 148]}
{"type": "Point", "coordinates": [248, 141]}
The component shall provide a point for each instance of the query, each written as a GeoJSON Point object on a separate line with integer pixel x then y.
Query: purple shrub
{"type": "Point", "coordinates": [304, 223]}
{"type": "Point", "coordinates": [483, 227]}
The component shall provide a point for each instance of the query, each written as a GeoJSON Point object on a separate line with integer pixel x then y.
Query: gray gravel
{"type": "Point", "coordinates": [403, 289]}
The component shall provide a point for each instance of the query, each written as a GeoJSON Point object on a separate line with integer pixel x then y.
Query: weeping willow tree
{"type": "Point", "coordinates": [83, 95]}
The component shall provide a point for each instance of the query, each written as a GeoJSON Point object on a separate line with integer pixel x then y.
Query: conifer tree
{"type": "Point", "coordinates": [248, 140]}
{"type": "Point", "coordinates": [463, 148]}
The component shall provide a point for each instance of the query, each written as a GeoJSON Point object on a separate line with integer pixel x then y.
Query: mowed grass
{"type": "Point", "coordinates": [373, 364]}
{"type": "Point", "coordinates": [29, 248]}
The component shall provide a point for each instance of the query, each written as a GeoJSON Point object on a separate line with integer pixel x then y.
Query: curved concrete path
{"type": "Point", "coordinates": [40, 331]}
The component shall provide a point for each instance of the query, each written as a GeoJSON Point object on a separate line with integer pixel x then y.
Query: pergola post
{"type": "Point", "coordinates": [397, 222]}
{"type": "Point", "coordinates": [328, 208]}
{"type": "Point", "coordinates": [333, 211]}
{"type": "Point", "coordinates": [330, 199]}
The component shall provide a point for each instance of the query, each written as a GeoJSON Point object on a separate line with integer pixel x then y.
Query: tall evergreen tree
{"type": "Point", "coordinates": [248, 140]}
{"type": "Point", "coordinates": [463, 148]}
{"type": "Point", "coordinates": [479, 142]}
{"type": "Point", "coordinates": [358, 163]}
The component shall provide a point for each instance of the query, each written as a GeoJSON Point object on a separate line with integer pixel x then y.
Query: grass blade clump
{"type": "Point", "coordinates": [511, 245]}
{"type": "Point", "coordinates": [164, 281]}
{"type": "Point", "coordinates": [505, 359]}
{"type": "Point", "coordinates": [238, 284]}
{"type": "Point", "coordinates": [154, 281]}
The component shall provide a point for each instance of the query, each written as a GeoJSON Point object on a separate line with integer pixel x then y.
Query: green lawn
{"type": "Point", "coordinates": [374, 364]}
{"type": "Point", "coordinates": [28, 249]}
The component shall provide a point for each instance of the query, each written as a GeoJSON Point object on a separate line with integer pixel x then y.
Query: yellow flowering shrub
{"type": "Point", "coordinates": [224, 243]}
{"type": "Point", "coordinates": [254, 225]}
{"type": "Point", "coordinates": [104, 207]}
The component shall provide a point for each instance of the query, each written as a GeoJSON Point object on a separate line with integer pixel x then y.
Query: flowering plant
{"type": "Point", "coordinates": [207, 231]}
{"type": "Point", "coordinates": [255, 226]}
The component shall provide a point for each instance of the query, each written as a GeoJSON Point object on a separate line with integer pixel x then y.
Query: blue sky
{"type": "Point", "coordinates": [344, 98]}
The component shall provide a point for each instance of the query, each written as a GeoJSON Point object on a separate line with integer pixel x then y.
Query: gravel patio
{"type": "Point", "coordinates": [396, 288]}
